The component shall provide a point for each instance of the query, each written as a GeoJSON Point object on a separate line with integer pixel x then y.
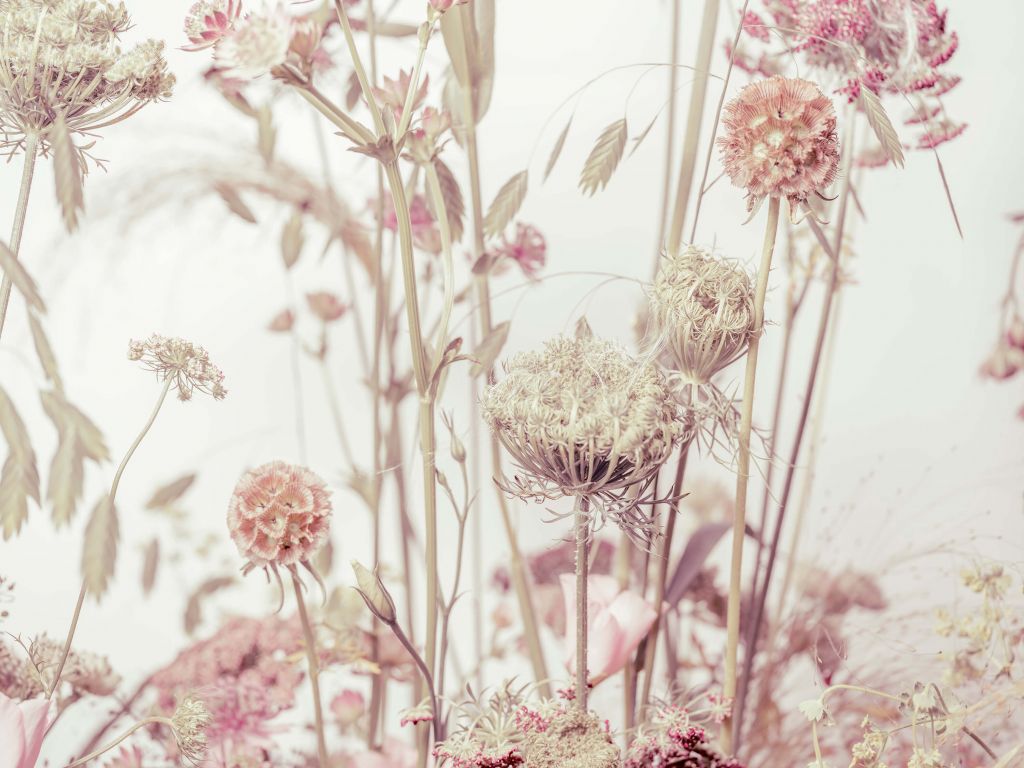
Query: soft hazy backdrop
{"type": "Point", "coordinates": [919, 453]}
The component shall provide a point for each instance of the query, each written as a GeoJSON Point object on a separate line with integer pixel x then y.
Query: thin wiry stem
{"type": "Point", "coordinates": [582, 528]}
{"type": "Point", "coordinates": [314, 670]}
{"type": "Point", "coordinates": [739, 522]}
{"type": "Point", "coordinates": [27, 173]}
{"type": "Point", "coordinates": [122, 737]}
{"type": "Point", "coordinates": [112, 496]}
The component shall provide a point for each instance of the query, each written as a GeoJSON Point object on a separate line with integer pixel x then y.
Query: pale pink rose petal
{"type": "Point", "coordinates": [36, 716]}
{"type": "Point", "coordinates": [12, 733]}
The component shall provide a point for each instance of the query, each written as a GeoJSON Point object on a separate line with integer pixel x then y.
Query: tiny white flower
{"type": "Point", "coordinates": [813, 710]}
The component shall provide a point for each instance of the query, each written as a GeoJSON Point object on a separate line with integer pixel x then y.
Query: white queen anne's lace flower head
{"type": "Point", "coordinates": [185, 364]}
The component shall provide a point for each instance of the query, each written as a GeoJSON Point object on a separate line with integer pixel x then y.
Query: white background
{"type": "Point", "coordinates": [919, 453]}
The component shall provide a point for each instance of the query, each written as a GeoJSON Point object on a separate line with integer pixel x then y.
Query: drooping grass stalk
{"type": "Point", "coordinates": [27, 174]}
{"type": "Point", "coordinates": [112, 496]}
{"type": "Point", "coordinates": [694, 117]}
{"type": "Point", "coordinates": [808, 398]}
{"type": "Point", "coordinates": [517, 568]}
{"type": "Point", "coordinates": [739, 523]}
{"type": "Point", "coordinates": [582, 530]}
{"type": "Point", "coordinates": [661, 579]}
{"type": "Point", "coordinates": [313, 663]}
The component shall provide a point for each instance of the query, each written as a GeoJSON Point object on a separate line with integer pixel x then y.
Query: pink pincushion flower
{"type": "Point", "coordinates": [616, 623]}
{"type": "Point", "coordinates": [22, 728]}
{"type": "Point", "coordinates": [279, 515]}
{"type": "Point", "coordinates": [208, 21]}
{"type": "Point", "coordinates": [779, 140]}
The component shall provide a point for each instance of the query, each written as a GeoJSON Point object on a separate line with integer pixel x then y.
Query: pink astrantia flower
{"type": "Point", "coordinates": [779, 140]}
{"type": "Point", "coordinates": [394, 754]}
{"type": "Point", "coordinates": [22, 727]}
{"type": "Point", "coordinates": [210, 20]}
{"type": "Point", "coordinates": [326, 305]}
{"type": "Point", "coordinates": [616, 623]}
{"type": "Point", "coordinates": [395, 90]}
{"type": "Point", "coordinates": [279, 515]}
{"type": "Point", "coordinates": [528, 249]}
{"type": "Point", "coordinates": [255, 45]}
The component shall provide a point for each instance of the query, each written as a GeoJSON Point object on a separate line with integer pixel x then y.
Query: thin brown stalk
{"type": "Point", "coordinates": [739, 523]}
{"type": "Point", "coordinates": [27, 173]}
{"type": "Point", "coordinates": [314, 670]}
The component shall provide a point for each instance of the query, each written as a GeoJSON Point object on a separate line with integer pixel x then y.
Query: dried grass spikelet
{"type": "Point", "coordinates": [582, 418]}
{"type": "Point", "coordinates": [60, 60]}
{"type": "Point", "coordinates": [573, 739]}
{"type": "Point", "coordinates": [779, 140]}
{"type": "Point", "coordinates": [702, 312]}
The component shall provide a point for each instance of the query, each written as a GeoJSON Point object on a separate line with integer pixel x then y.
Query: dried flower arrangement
{"type": "Point", "coordinates": [705, 672]}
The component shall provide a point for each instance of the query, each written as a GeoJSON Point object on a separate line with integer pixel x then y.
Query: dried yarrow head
{"type": "Point", "coordinates": [186, 365]}
{"type": "Point", "coordinates": [702, 312]}
{"type": "Point", "coordinates": [189, 724]}
{"type": "Point", "coordinates": [779, 140]}
{"type": "Point", "coordinates": [60, 60]}
{"type": "Point", "coordinates": [584, 418]}
{"type": "Point", "coordinates": [279, 516]}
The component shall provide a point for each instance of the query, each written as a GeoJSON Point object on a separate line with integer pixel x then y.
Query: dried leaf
{"type": "Point", "coordinates": [556, 151]}
{"type": "Point", "coordinates": [604, 157]}
{"type": "Point", "coordinates": [20, 278]}
{"type": "Point", "coordinates": [167, 494]}
{"type": "Point", "coordinates": [65, 415]}
{"type": "Point", "coordinates": [454, 34]}
{"type": "Point", "coordinates": [194, 608]}
{"type": "Point", "coordinates": [454, 204]}
{"type": "Point", "coordinates": [881, 125]}
{"type": "Point", "coordinates": [292, 240]}
{"type": "Point", "coordinates": [235, 203]}
{"type": "Point", "coordinates": [700, 545]}
{"type": "Point", "coordinates": [19, 478]}
{"type": "Point", "coordinates": [506, 204]}
{"type": "Point", "coordinates": [65, 484]}
{"type": "Point", "coordinates": [99, 552]}
{"type": "Point", "coordinates": [267, 134]}
{"type": "Point", "coordinates": [487, 353]}
{"type": "Point", "coordinates": [44, 351]}
{"type": "Point", "coordinates": [150, 563]}
{"type": "Point", "coordinates": [67, 172]}
{"type": "Point", "coordinates": [353, 92]}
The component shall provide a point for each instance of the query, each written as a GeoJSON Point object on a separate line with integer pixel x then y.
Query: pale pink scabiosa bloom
{"type": "Point", "coordinates": [326, 306]}
{"type": "Point", "coordinates": [279, 516]}
{"type": "Point", "coordinates": [210, 20]}
{"type": "Point", "coordinates": [394, 92]}
{"type": "Point", "coordinates": [22, 728]}
{"type": "Point", "coordinates": [779, 140]}
{"type": "Point", "coordinates": [186, 365]}
{"type": "Point", "coordinates": [255, 45]}
{"type": "Point", "coordinates": [527, 248]}
{"type": "Point", "coordinates": [617, 621]}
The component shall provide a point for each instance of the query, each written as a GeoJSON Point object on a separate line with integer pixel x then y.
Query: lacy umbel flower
{"type": "Point", "coordinates": [186, 365]}
{"type": "Point", "coordinates": [779, 140]}
{"type": "Point", "coordinates": [61, 60]}
{"type": "Point", "coordinates": [702, 312]}
{"type": "Point", "coordinates": [582, 418]}
{"type": "Point", "coordinates": [279, 515]}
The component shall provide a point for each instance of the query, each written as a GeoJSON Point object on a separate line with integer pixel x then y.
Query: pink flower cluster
{"type": "Point", "coordinates": [279, 515]}
{"type": "Point", "coordinates": [245, 675]}
{"type": "Point", "coordinates": [675, 741]}
{"type": "Point", "coordinates": [527, 248]}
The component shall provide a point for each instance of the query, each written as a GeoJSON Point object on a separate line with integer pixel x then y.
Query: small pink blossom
{"type": "Point", "coordinates": [22, 728]}
{"type": "Point", "coordinates": [394, 92]}
{"type": "Point", "coordinates": [616, 623]}
{"type": "Point", "coordinates": [326, 306]}
{"type": "Point", "coordinates": [528, 249]}
{"type": "Point", "coordinates": [283, 321]}
{"type": "Point", "coordinates": [424, 228]}
{"type": "Point", "coordinates": [347, 707]}
{"type": "Point", "coordinates": [279, 515]}
{"type": "Point", "coordinates": [779, 140]}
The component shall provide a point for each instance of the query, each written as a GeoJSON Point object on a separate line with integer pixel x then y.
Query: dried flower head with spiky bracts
{"type": "Point", "coordinates": [582, 418]}
{"type": "Point", "coordinates": [183, 365]}
{"type": "Point", "coordinates": [61, 62]}
{"type": "Point", "coordinates": [779, 140]}
{"type": "Point", "coordinates": [189, 724]}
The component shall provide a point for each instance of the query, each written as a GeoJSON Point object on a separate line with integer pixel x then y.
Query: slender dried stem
{"type": "Point", "coordinates": [122, 737]}
{"type": "Point", "coordinates": [582, 523]}
{"type": "Point", "coordinates": [739, 523]}
{"type": "Point", "coordinates": [112, 496]}
{"type": "Point", "coordinates": [27, 173]}
{"type": "Point", "coordinates": [670, 138]}
{"type": "Point", "coordinates": [314, 670]}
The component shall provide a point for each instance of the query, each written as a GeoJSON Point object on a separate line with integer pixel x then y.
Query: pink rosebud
{"type": "Point", "coordinates": [283, 321]}
{"type": "Point", "coordinates": [22, 727]}
{"type": "Point", "coordinates": [348, 706]}
{"type": "Point", "coordinates": [442, 6]}
{"type": "Point", "coordinates": [1015, 332]}
{"type": "Point", "coordinates": [326, 306]}
{"type": "Point", "coordinates": [616, 623]}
